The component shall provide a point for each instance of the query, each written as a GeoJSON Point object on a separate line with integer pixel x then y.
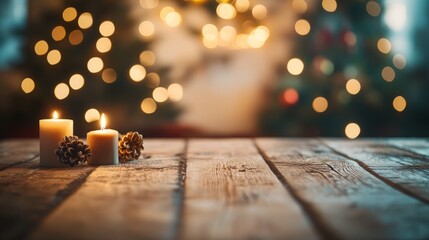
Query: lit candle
{"type": "Point", "coordinates": [103, 144]}
{"type": "Point", "coordinates": [51, 131]}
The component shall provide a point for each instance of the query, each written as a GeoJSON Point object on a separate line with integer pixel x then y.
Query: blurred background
{"type": "Point", "coordinates": [191, 68]}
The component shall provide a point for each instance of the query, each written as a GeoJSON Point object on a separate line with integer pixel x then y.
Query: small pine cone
{"type": "Point", "coordinates": [72, 151]}
{"type": "Point", "coordinates": [130, 146]}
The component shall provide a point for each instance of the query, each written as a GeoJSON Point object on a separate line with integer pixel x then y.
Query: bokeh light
{"type": "Point", "coordinates": [109, 75]}
{"type": "Point", "coordinates": [300, 6]}
{"type": "Point", "coordinates": [148, 105]}
{"type": "Point", "coordinates": [399, 103]}
{"type": "Point", "coordinates": [137, 73]}
{"type": "Point", "coordinates": [302, 27]}
{"type": "Point", "coordinates": [41, 47]}
{"type": "Point", "coordinates": [92, 115]}
{"type": "Point", "coordinates": [76, 81]}
{"type": "Point", "coordinates": [95, 65]}
{"type": "Point", "coordinates": [384, 45]}
{"type": "Point", "coordinates": [85, 20]}
{"type": "Point", "coordinates": [107, 28]}
{"type": "Point", "coordinates": [103, 45]}
{"type": "Point", "coordinates": [259, 11]}
{"type": "Point", "coordinates": [75, 37]}
{"type": "Point", "coordinates": [295, 66]}
{"type": "Point", "coordinates": [153, 80]}
{"type": "Point", "coordinates": [27, 85]}
{"type": "Point", "coordinates": [173, 19]}
{"type": "Point", "coordinates": [399, 61]}
{"type": "Point", "coordinates": [147, 58]}
{"type": "Point", "coordinates": [160, 94]}
{"type": "Point", "coordinates": [53, 57]}
{"type": "Point", "coordinates": [388, 74]}
{"type": "Point", "coordinates": [149, 4]}
{"type": "Point", "coordinates": [69, 14]}
{"type": "Point", "coordinates": [242, 5]}
{"type": "Point", "coordinates": [61, 91]}
{"type": "Point", "coordinates": [373, 8]}
{"type": "Point", "coordinates": [58, 33]}
{"type": "Point", "coordinates": [146, 28]}
{"type": "Point", "coordinates": [175, 92]}
{"type": "Point", "coordinates": [353, 86]}
{"type": "Point", "coordinates": [226, 11]}
{"type": "Point", "coordinates": [329, 5]}
{"type": "Point", "coordinates": [290, 96]}
{"type": "Point", "coordinates": [352, 130]}
{"type": "Point", "coordinates": [320, 104]}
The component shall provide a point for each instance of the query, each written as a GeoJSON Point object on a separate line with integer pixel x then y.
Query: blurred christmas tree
{"type": "Point", "coordinates": [82, 57]}
{"type": "Point", "coordinates": [340, 79]}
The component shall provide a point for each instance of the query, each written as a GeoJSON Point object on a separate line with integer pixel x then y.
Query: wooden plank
{"type": "Point", "coordinates": [355, 204]}
{"type": "Point", "coordinates": [132, 201]}
{"type": "Point", "coordinates": [28, 193]}
{"type": "Point", "coordinates": [17, 151]}
{"type": "Point", "coordinates": [401, 169]}
{"type": "Point", "coordinates": [230, 193]}
{"type": "Point", "coordinates": [416, 145]}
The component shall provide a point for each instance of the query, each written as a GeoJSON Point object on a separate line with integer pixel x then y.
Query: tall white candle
{"type": "Point", "coordinates": [103, 144]}
{"type": "Point", "coordinates": [51, 131]}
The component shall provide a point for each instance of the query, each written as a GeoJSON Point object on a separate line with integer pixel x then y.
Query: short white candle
{"type": "Point", "coordinates": [51, 132]}
{"type": "Point", "coordinates": [103, 144]}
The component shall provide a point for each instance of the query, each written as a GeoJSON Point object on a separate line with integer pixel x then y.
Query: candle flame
{"type": "Point", "coordinates": [103, 121]}
{"type": "Point", "coordinates": [55, 115]}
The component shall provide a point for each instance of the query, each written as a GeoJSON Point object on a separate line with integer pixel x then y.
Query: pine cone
{"type": "Point", "coordinates": [72, 151]}
{"type": "Point", "coordinates": [130, 146]}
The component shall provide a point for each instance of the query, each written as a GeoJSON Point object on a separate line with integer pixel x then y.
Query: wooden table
{"type": "Point", "coordinates": [268, 188]}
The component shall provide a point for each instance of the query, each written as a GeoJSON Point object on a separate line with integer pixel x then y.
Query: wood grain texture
{"type": "Point", "coordinates": [230, 193]}
{"type": "Point", "coordinates": [349, 200]}
{"type": "Point", "coordinates": [419, 146]}
{"type": "Point", "coordinates": [17, 151]}
{"type": "Point", "coordinates": [401, 169]}
{"type": "Point", "coordinates": [131, 201]}
{"type": "Point", "coordinates": [28, 193]}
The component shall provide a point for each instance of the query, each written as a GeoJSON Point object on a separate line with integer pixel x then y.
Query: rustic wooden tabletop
{"type": "Point", "coordinates": [268, 188]}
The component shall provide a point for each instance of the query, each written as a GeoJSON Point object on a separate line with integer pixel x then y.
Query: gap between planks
{"type": "Point", "coordinates": [378, 176]}
{"type": "Point", "coordinates": [321, 227]}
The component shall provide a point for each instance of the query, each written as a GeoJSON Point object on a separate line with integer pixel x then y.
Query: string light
{"type": "Point", "coordinates": [153, 80]}
{"type": "Point", "coordinates": [173, 19]}
{"type": "Point", "coordinates": [147, 58]}
{"type": "Point", "coordinates": [242, 5]}
{"type": "Point", "coordinates": [329, 5]}
{"type": "Point", "coordinates": [103, 45]}
{"type": "Point", "coordinates": [27, 85]}
{"type": "Point", "coordinates": [373, 8]}
{"type": "Point", "coordinates": [149, 4]}
{"type": "Point", "coordinates": [300, 6]}
{"type": "Point", "coordinates": [399, 61]}
{"type": "Point", "coordinates": [290, 96]}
